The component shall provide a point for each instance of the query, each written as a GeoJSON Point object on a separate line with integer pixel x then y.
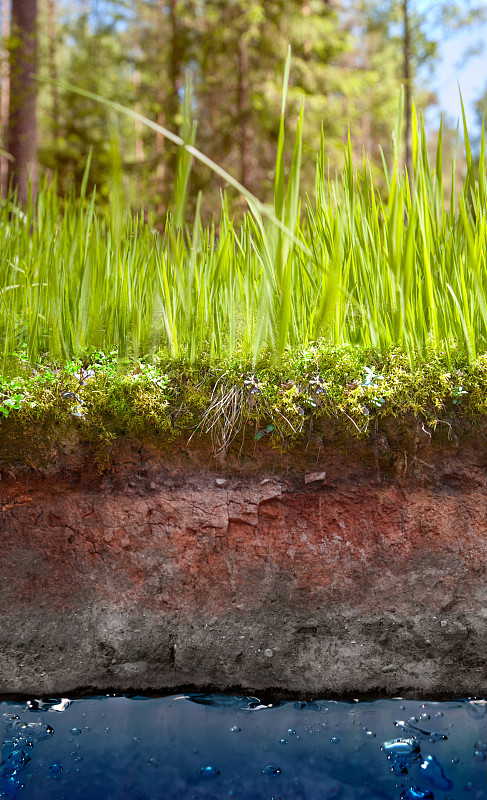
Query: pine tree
{"type": "Point", "coordinates": [93, 57]}
{"type": "Point", "coordinates": [5, 96]}
{"type": "Point", "coordinates": [412, 32]}
{"type": "Point", "coordinates": [22, 122]}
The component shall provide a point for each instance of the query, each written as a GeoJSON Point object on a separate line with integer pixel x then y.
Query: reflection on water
{"type": "Point", "coordinates": [210, 747]}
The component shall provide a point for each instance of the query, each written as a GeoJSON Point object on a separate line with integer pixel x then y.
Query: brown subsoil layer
{"type": "Point", "coordinates": [326, 574]}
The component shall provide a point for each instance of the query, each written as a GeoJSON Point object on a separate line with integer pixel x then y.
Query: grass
{"type": "Point", "coordinates": [407, 270]}
{"type": "Point", "coordinates": [257, 313]}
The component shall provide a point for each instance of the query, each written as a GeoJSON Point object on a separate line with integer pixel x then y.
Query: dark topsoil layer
{"type": "Point", "coordinates": [338, 568]}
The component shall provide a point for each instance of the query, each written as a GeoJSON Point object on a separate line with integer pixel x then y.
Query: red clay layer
{"type": "Point", "coordinates": [146, 576]}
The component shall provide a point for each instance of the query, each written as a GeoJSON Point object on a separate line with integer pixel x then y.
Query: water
{"type": "Point", "coordinates": [210, 747]}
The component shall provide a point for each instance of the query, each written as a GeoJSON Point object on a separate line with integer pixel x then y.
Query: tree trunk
{"type": "Point", "coordinates": [5, 75]}
{"type": "Point", "coordinates": [407, 89]}
{"type": "Point", "coordinates": [173, 101]}
{"type": "Point", "coordinates": [22, 127]}
{"type": "Point", "coordinates": [243, 110]}
{"type": "Point", "coordinates": [307, 44]}
{"type": "Point", "coordinates": [53, 68]}
{"type": "Point", "coordinates": [139, 141]}
{"type": "Point", "coordinates": [160, 188]}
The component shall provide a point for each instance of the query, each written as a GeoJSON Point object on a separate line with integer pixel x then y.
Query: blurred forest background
{"type": "Point", "coordinates": [349, 61]}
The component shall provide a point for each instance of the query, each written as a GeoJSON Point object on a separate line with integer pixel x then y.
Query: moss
{"type": "Point", "coordinates": [347, 393]}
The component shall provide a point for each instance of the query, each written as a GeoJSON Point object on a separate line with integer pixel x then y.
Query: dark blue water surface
{"type": "Point", "coordinates": [207, 747]}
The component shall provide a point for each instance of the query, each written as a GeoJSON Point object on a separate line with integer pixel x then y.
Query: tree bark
{"type": "Point", "coordinates": [22, 127]}
{"type": "Point", "coordinates": [243, 110]}
{"type": "Point", "coordinates": [139, 141]}
{"type": "Point", "coordinates": [5, 74]}
{"type": "Point", "coordinates": [160, 188]}
{"type": "Point", "coordinates": [173, 100]}
{"type": "Point", "coordinates": [53, 68]}
{"type": "Point", "coordinates": [407, 89]}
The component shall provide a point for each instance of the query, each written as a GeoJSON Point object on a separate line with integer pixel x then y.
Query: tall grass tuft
{"type": "Point", "coordinates": [350, 266]}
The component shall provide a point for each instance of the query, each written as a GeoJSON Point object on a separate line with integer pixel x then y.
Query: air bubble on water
{"type": "Point", "coordinates": [433, 772]}
{"type": "Point", "coordinates": [209, 772]}
{"type": "Point", "coordinates": [480, 751]}
{"type": "Point", "coordinates": [51, 704]}
{"type": "Point", "coordinates": [439, 714]}
{"type": "Point", "coordinates": [415, 793]}
{"type": "Point", "coordinates": [283, 741]}
{"type": "Point", "coordinates": [225, 701]}
{"type": "Point", "coordinates": [430, 736]}
{"type": "Point", "coordinates": [235, 729]}
{"type": "Point", "coordinates": [291, 732]}
{"type": "Point", "coordinates": [56, 768]}
{"type": "Point", "coordinates": [271, 769]}
{"type": "Point", "coordinates": [59, 704]}
{"type": "Point", "coordinates": [401, 747]}
{"type": "Point", "coordinates": [153, 762]}
{"type": "Point", "coordinates": [371, 734]}
{"type": "Point", "coordinates": [399, 767]}
{"type": "Point", "coordinates": [37, 731]}
{"type": "Point", "coordinates": [468, 786]}
{"type": "Point", "coordinates": [324, 725]}
{"type": "Point", "coordinates": [16, 761]}
{"type": "Point", "coordinates": [425, 716]}
{"type": "Point", "coordinates": [334, 740]}
{"type": "Point", "coordinates": [455, 760]}
{"type": "Point", "coordinates": [75, 731]}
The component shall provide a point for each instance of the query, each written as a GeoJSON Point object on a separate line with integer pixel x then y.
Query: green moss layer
{"type": "Point", "coordinates": [345, 392]}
